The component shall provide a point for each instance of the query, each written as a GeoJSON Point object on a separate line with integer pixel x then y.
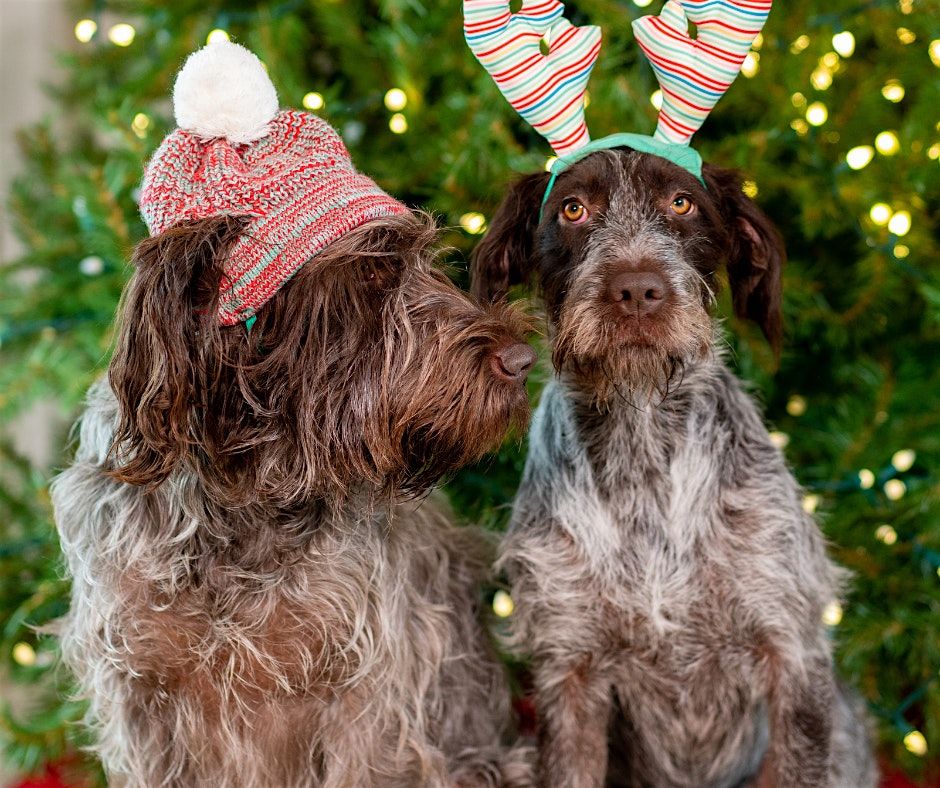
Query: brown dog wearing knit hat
{"type": "Point", "coordinates": [258, 598]}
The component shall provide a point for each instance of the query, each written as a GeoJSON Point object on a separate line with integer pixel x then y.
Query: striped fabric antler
{"type": "Point", "coordinates": [695, 73]}
{"type": "Point", "coordinates": [547, 90]}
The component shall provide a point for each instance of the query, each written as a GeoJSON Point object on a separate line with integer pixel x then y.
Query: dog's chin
{"type": "Point", "coordinates": [639, 362]}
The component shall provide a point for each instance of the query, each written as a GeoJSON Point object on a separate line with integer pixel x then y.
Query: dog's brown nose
{"type": "Point", "coordinates": [514, 361]}
{"type": "Point", "coordinates": [638, 292]}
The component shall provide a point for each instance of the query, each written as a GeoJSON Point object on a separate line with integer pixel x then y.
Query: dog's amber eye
{"type": "Point", "coordinates": [681, 205]}
{"type": "Point", "coordinates": [574, 211]}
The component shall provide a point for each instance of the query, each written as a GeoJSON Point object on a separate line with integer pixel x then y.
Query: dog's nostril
{"type": "Point", "coordinates": [638, 292]}
{"type": "Point", "coordinates": [513, 362]}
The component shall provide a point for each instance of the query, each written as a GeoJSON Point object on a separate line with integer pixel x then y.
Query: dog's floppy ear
{"type": "Point", "coordinates": [167, 347]}
{"type": "Point", "coordinates": [756, 255]}
{"type": "Point", "coordinates": [503, 258]}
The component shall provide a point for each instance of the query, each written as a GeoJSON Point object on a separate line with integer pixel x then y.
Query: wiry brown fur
{"type": "Point", "coordinates": [259, 598]}
{"type": "Point", "coordinates": [668, 584]}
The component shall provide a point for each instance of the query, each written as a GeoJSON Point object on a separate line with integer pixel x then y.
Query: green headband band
{"type": "Point", "coordinates": [680, 155]}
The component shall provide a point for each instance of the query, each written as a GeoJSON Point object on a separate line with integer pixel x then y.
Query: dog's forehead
{"type": "Point", "coordinates": [627, 174]}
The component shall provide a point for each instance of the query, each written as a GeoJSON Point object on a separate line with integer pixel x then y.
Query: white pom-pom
{"type": "Point", "coordinates": [224, 91]}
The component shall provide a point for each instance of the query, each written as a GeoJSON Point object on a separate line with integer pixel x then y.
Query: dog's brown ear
{"type": "Point", "coordinates": [163, 361]}
{"type": "Point", "coordinates": [503, 258]}
{"type": "Point", "coordinates": [756, 255]}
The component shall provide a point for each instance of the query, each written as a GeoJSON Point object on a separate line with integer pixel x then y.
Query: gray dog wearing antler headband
{"type": "Point", "coordinates": [668, 584]}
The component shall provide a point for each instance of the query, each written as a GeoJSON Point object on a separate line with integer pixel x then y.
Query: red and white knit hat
{"type": "Point", "coordinates": [234, 154]}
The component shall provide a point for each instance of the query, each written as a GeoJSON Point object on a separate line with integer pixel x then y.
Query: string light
{"type": "Point", "coordinates": [779, 439]}
{"type": "Point", "coordinates": [866, 479]}
{"type": "Point", "coordinates": [796, 405]}
{"type": "Point", "coordinates": [313, 101]}
{"type": "Point", "coordinates": [821, 78]}
{"type": "Point", "coordinates": [751, 65]}
{"type": "Point", "coordinates": [140, 124]}
{"type": "Point", "coordinates": [860, 156]}
{"type": "Point", "coordinates": [24, 654]}
{"type": "Point", "coordinates": [933, 152]}
{"type": "Point", "coordinates": [122, 34]}
{"type": "Point", "coordinates": [91, 265]}
{"type": "Point", "coordinates": [901, 251]}
{"type": "Point", "coordinates": [934, 51]}
{"type": "Point", "coordinates": [758, 42]}
{"type": "Point", "coordinates": [895, 489]}
{"type": "Point", "coordinates": [887, 143]}
{"type": "Point", "coordinates": [844, 43]}
{"type": "Point", "coordinates": [893, 91]}
{"type": "Point", "coordinates": [906, 6]}
{"type": "Point", "coordinates": [817, 114]}
{"type": "Point", "coordinates": [798, 100]}
{"type": "Point", "coordinates": [885, 533]}
{"type": "Point", "coordinates": [85, 30]}
{"type": "Point", "coordinates": [906, 36]}
{"type": "Point", "coordinates": [503, 604]}
{"type": "Point", "coordinates": [398, 123]}
{"type": "Point", "coordinates": [750, 189]}
{"type": "Point", "coordinates": [473, 222]}
{"type": "Point", "coordinates": [900, 223]}
{"type": "Point", "coordinates": [903, 460]}
{"type": "Point", "coordinates": [217, 35]}
{"type": "Point", "coordinates": [916, 743]}
{"type": "Point", "coordinates": [395, 99]}
{"type": "Point", "coordinates": [810, 503]}
{"type": "Point", "coordinates": [550, 162]}
{"type": "Point", "coordinates": [880, 213]}
{"type": "Point", "coordinates": [799, 44]}
{"type": "Point", "coordinates": [642, 3]}
{"type": "Point", "coordinates": [656, 99]}
{"type": "Point", "coordinates": [832, 614]}
{"type": "Point", "coordinates": [800, 126]}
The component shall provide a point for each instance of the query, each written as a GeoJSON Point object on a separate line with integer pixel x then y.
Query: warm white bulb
{"type": "Point", "coordinates": [817, 114]}
{"type": "Point", "coordinates": [895, 489]}
{"type": "Point", "coordinates": [934, 51]}
{"type": "Point", "coordinates": [893, 91]}
{"type": "Point", "coordinates": [866, 479]}
{"type": "Point", "coordinates": [832, 614]}
{"type": "Point", "coordinates": [810, 503]}
{"type": "Point", "coordinates": [903, 460]}
{"type": "Point", "coordinates": [887, 143]}
{"type": "Point", "coordinates": [844, 43]}
{"type": "Point", "coordinates": [122, 34]}
{"type": "Point", "coordinates": [503, 604]}
{"type": "Point", "coordinates": [85, 30]}
{"type": "Point", "coordinates": [779, 439]}
{"type": "Point", "coordinates": [313, 101]}
{"type": "Point", "coordinates": [901, 251]}
{"type": "Point", "coordinates": [396, 100]}
{"type": "Point", "coordinates": [799, 44]}
{"type": "Point", "coordinates": [860, 156]}
{"type": "Point", "coordinates": [886, 534]}
{"type": "Point", "coordinates": [550, 162]}
{"type": "Point", "coordinates": [751, 65]}
{"type": "Point", "coordinates": [398, 123]}
{"type": "Point", "coordinates": [906, 36]}
{"type": "Point", "coordinates": [916, 743]}
{"type": "Point", "coordinates": [642, 3]}
{"type": "Point", "coordinates": [821, 78]}
{"type": "Point", "coordinates": [750, 189]}
{"type": "Point", "coordinates": [900, 223]}
{"type": "Point", "coordinates": [880, 213]}
{"type": "Point", "coordinates": [796, 405]}
{"type": "Point", "coordinates": [217, 35]}
{"type": "Point", "coordinates": [24, 654]}
{"type": "Point", "coordinates": [473, 222]}
{"type": "Point", "coordinates": [656, 99]}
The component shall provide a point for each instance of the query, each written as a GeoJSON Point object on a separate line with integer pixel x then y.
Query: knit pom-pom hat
{"type": "Point", "coordinates": [234, 154]}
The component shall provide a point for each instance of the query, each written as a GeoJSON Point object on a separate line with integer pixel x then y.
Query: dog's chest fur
{"type": "Point", "coordinates": [669, 579]}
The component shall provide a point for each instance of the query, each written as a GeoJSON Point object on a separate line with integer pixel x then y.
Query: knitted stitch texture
{"type": "Point", "coordinates": [297, 186]}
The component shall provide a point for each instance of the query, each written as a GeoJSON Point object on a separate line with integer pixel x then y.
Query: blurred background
{"type": "Point", "coordinates": [836, 123]}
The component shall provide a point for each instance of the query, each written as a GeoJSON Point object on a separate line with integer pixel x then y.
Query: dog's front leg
{"type": "Point", "coordinates": [801, 712]}
{"type": "Point", "coordinates": [574, 702]}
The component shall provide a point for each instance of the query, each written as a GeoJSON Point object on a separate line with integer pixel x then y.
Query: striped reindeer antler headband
{"type": "Point", "coordinates": [548, 90]}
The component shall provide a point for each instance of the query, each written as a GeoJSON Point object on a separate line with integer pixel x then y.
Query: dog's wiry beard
{"type": "Point", "coordinates": [609, 364]}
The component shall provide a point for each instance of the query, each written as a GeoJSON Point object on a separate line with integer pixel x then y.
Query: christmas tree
{"type": "Point", "coordinates": [835, 124]}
